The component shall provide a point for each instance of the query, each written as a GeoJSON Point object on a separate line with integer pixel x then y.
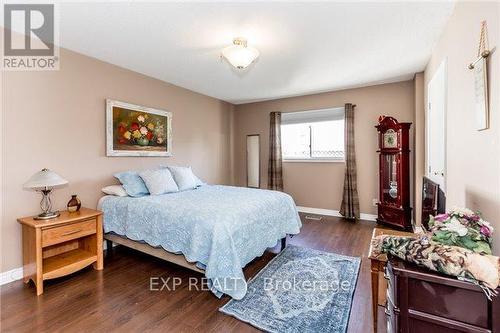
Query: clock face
{"type": "Point", "coordinates": [390, 139]}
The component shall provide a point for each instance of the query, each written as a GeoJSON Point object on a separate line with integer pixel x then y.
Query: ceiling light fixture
{"type": "Point", "coordinates": [240, 55]}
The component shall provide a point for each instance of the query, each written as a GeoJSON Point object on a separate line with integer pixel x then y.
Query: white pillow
{"type": "Point", "coordinates": [198, 181]}
{"type": "Point", "coordinates": [159, 181]}
{"type": "Point", "coordinates": [117, 190]}
{"type": "Point", "coordinates": [184, 177]}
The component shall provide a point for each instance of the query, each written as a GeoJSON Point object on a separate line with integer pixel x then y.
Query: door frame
{"type": "Point", "coordinates": [246, 160]}
{"type": "Point", "coordinates": [444, 67]}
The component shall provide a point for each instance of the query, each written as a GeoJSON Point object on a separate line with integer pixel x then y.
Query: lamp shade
{"type": "Point", "coordinates": [44, 179]}
{"type": "Point", "coordinates": [240, 55]}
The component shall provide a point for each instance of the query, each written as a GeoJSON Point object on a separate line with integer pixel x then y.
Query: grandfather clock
{"type": "Point", "coordinates": [394, 173]}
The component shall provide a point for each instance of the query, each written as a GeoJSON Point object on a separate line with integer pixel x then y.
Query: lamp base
{"type": "Point", "coordinates": [47, 216]}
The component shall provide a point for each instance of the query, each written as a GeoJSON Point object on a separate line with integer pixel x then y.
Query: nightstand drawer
{"type": "Point", "coordinates": [68, 232]}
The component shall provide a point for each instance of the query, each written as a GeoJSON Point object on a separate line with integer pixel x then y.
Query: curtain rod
{"type": "Point", "coordinates": [298, 111]}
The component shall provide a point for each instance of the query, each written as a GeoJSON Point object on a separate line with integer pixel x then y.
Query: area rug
{"type": "Point", "coordinates": [300, 290]}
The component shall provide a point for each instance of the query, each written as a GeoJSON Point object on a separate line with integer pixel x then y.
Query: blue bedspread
{"type": "Point", "coordinates": [222, 228]}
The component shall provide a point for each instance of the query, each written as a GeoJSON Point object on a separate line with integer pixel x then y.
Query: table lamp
{"type": "Point", "coordinates": [44, 181]}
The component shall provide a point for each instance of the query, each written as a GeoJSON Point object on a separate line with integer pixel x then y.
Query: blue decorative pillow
{"type": "Point", "coordinates": [132, 183]}
{"type": "Point", "coordinates": [184, 177]}
{"type": "Point", "coordinates": [159, 181]}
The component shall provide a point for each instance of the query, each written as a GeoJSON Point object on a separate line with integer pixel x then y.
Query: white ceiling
{"type": "Point", "coordinates": [305, 47]}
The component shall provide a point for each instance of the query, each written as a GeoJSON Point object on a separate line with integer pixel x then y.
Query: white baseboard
{"type": "Point", "coordinates": [10, 276]}
{"type": "Point", "coordinates": [331, 212]}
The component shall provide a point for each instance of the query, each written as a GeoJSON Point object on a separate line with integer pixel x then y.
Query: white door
{"type": "Point", "coordinates": [436, 126]}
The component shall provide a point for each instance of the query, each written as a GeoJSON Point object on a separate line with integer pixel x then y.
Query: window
{"type": "Point", "coordinates": [313, 135]}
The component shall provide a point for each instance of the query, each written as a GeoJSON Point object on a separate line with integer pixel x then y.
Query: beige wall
{"type": "Point", "coordinates": [473, 157]}
{"type": "Point", "coordinates": [57, 120]}
{"type": "Point", "coordinates": [319, 185]}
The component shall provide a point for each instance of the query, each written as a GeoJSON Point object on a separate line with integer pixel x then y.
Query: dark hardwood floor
{"type": "Point", "coordinates": [119, 297]}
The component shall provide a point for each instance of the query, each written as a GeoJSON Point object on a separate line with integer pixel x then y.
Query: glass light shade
{"type": "Point", "coordinates": [44, 179]}
{"type": "Point", "coordinates": [240, 55]}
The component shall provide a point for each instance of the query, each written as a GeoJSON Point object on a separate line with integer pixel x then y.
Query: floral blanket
{"type": "Point", "coordinates": [221, 228]}
{"type": "Point", "coordinates": [462, 227]}
{"type": "Point", "coordinates": [451, 260]}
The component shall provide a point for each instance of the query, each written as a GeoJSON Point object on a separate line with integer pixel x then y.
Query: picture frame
{"type": "Point", "coordinates": [481, 94]}
{"type": "Point", "coordinates": [134, 130]}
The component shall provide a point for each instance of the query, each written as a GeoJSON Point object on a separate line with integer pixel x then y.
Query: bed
{"type": "Point", "coordinates": [218, 229]}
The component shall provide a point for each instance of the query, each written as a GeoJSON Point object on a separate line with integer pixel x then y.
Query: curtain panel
{"type": "Point", "coordinates": [350, 201]}
{"type": "Point", "coordinates": [274, 169]}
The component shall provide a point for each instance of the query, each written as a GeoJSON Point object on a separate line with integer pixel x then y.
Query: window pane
{"type": "Point", "coordinates": [295, 139]}
{"type": "Point", "coordinates": [313, 140]}
{"type": "Point", "coordinates": [328, 139]}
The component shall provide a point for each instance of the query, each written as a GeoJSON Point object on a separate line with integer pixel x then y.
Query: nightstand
{"type": "Point", "coordinates": [61, 246]}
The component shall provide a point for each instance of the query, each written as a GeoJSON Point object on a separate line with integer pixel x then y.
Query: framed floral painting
{"type": "Point", "coordinates": [133, 130]}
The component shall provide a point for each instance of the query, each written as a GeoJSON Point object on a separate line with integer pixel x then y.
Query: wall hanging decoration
{"type": "Point", "coordinates": [480, 70]}
{"type": "Point", "coordinates": [133, 130]}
